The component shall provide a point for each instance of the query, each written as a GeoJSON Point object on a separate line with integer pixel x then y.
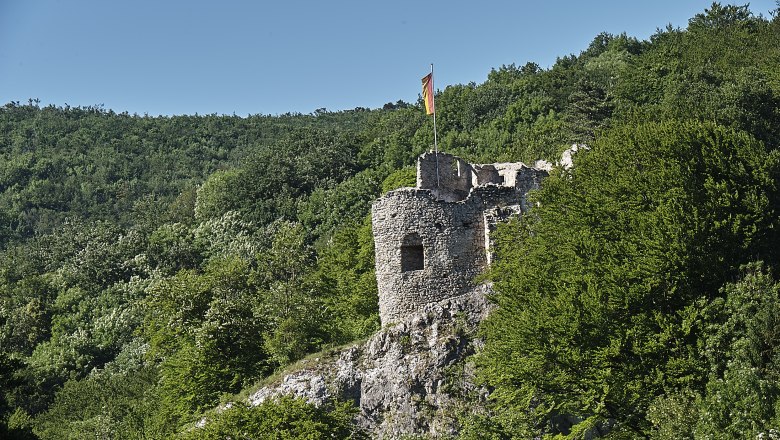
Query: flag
{"type": "Point", "coordinates": [427, 93]}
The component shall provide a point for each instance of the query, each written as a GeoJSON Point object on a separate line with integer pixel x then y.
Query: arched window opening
{"type": "Point", "coordinates": [412, 254]}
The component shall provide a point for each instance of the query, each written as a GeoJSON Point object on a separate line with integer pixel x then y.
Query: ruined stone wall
{"type": "Point", "coordinates": [523, 179]}
{"type": "Point", "coordinates": [432, 241]}
{"type": "Point", "coordinates": [448, 177]}
{"type": "Point", "coordinates": [486, 173]}
{"type": "Point", "coordinates": [448, 245]}
{"type": "Point", "coordinates": [453, 246]}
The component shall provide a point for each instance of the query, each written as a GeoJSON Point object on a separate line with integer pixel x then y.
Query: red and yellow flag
{"type": "Point", "coordinates": [427, 93]}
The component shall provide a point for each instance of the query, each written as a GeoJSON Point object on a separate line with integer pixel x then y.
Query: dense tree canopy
{"type": "Point", "coordinates": [602, 287]}
{"type": "Point", "coordinates": [155, 265]}
{"type": "Point", "coordinates": [611, 293]}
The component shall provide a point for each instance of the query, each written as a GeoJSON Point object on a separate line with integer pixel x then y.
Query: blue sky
{"type": "Point", "coordinates": [270, 57]}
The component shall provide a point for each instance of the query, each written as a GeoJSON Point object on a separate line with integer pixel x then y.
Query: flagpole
{"type": "Point", "coordinates": [435, 140]}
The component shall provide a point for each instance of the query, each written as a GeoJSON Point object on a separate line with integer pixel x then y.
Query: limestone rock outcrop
{"type": "Point", "coordinates": [409, 378]}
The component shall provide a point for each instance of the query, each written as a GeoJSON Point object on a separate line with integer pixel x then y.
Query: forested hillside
{"type": "Point", "coordinates": [151, 267]}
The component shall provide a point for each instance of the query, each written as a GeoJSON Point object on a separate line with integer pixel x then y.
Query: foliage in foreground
{"type": "Point", "coordinates": [603, 288]}
{"type": "Point", "coordinates": [741, 398]}
{"type": "Point", "coordinates": [611, 306]}
{"type": "Point", "coordinates": [282, 418]}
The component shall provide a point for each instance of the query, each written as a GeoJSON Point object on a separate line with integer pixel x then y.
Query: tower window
{"type": "Point", "coordinates": [412, 254]}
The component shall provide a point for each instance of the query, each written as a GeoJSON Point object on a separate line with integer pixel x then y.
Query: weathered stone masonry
{"type": "Point", "coordinates": [433, 240]}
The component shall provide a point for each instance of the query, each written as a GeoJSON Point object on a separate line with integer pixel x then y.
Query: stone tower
{"type": "Point", "coordinates": [433, 240]}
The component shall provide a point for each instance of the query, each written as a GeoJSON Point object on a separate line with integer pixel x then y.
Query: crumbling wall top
{"type": "Point", "coordinates": [447, 176]}
{"type": "Point", "coordinates": [450, 178]}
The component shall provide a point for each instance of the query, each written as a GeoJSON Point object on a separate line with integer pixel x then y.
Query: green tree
{"type": "Point", "coordinates": [117, 406]}
{"type": "Point", "coordinates": [281, 418]}
{"type": "Point", "coordinates": [205, 330]}
{"type": "Point", "coordinates": [600, 287]}
{"type": "Point", "coordinates": [741, 343]}
{"type": "Point", "coordinates": [345, 280]}
{"type": "Point", "coordinates": [743, 350]}
{"type": "Point", "coordinates": [293, 307]}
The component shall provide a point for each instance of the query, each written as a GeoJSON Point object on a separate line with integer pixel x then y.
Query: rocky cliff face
{"type": "Point", "coordinates": [411, 377]}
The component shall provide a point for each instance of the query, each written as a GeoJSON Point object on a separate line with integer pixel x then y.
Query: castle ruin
{"type": "Point", "coordinates": [433, 240]}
